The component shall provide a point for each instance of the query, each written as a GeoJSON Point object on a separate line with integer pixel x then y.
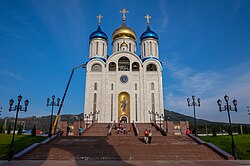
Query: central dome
{"type": "Point", "coordinates": [124, 32]}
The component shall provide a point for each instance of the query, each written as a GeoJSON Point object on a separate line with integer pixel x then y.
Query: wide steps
{"type": "Point", "coordinates": [122, 148]}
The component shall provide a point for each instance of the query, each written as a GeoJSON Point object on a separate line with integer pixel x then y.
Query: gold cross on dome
{"type": "Point", "coordinates": [124, 11]}
{"type": "Point", "coordinates": [99, 17]}
{"type": "Point", "coordinates": [148, 18]}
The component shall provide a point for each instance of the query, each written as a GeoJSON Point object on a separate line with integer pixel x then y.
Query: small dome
{"type": "Point", "coordinates": [124, 44]}
{"type": "Point", "coordinates": [149, 34]}
{"type": "Point", "coordinates": [124, 32]}
{"type": "Point", "coordinates": [98, 34]}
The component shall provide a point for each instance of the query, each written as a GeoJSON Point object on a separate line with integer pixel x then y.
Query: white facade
{"type": "Point", "coordinates": [123, 85]}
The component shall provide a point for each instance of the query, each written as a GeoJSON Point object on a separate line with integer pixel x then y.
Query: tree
{"type": "Point", "coordinates": [9, 129]}
{"type": "Point", "coordinates": [214, 132]}
{"type": "Point", "coordinates": [20, 129]}
{"type": "Point", "coordinates": [1, 129]}
{"type": "Point", "coordinates": [239, 130]}
{"type": "Point", "coordinates": [33, 132]}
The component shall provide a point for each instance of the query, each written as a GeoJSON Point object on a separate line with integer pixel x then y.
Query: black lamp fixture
{"type": "Point", "coordinates": [228, 108]}
{"type": "Point", "coordinates": [16, 108]}
{"type": "Point", "coordinates": [52, 104]}
{"type": "Point", "coordinates": [194, 104]}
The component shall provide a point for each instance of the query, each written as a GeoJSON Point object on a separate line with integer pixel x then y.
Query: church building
{"type": "Point", "coordinates": [123, 86]}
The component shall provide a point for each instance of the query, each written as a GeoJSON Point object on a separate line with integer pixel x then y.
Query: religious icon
{"type": "Point", "coordinates": [124, 104]}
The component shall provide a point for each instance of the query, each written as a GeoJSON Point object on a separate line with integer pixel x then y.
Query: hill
{"type": "Point", "coordinates": [43, 122]}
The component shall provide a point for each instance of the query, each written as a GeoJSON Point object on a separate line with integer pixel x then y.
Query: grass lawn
{"type": "Point", "coordinates": [21, 142]}
{"type": "Point", "coordinates": [224, 142]}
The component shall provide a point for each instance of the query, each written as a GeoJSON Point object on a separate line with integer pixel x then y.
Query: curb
{"type": "Point", "coordinates": [33, 146]}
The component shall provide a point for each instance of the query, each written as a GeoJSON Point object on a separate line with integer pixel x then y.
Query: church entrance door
{"type": "Point", "coordinates": [124, 107]}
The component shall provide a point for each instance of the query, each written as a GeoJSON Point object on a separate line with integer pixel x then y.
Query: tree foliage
{"type": "Point", "coordinates": [33, 132]}
{"type": "Point", "coordinates": [8, 129]}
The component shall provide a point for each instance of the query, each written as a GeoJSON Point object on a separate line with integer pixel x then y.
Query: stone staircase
{"type": "Point", "coordinates": [121, 147]}
{"type": "Point", "coordinates": [142, 126]}
{"type": "Point", "coordinates": [97, 129]}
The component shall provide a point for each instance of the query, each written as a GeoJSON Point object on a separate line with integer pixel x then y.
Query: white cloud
{"type": "Point", "coordinates": [209, 86]}
{"type": "Point", "coordinates": [11, 75]}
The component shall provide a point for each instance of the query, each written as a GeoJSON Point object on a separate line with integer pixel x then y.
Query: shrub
{"type": "Point", "coordinates": [20, 130]}
{"type": "Point", "coordinates": [214, 132]}
{"type": "Point", "coordinates": [1, 129]}
{"type": "Point", "coordinates": [33, 132]}
{"type": "Point", "coordinates": [9, 129]}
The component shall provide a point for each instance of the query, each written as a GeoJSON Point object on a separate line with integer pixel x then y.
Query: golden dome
{"type": "Point", "coordinates": [124, 44]}
{"type": "Point", "coordinates": [124, 32]}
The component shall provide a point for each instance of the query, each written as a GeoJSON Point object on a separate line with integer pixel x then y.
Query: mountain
{"type": "Point", "coordinates": [43, 122]}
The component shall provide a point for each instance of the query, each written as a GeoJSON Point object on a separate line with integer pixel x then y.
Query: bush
{"type": "Point", "coordinates": [239, 130]}
{"type": "Point", "coordinates": [214, 132]}
{"type": "Point", "coordinates": [20, 130]}
{"type": "Point", "coordinates": [9, 129]}
{"type": "Point", "coordinates": [1, 129]}
{"type": "Point", "coordinates": [33, 132]}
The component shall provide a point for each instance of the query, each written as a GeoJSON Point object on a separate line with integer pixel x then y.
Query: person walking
{"type": "Point", "coordinates": [146, 136]}
{"type": "Point", "coordinates": [149, 136]}
{"type": "Point", "coordinates": [80, 131]}
{"type": "Point", "coordinates": [67, 131]}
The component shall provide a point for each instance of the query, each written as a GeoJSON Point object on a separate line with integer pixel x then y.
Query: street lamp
{"type": "Point", "coordinates": [161, 118]}
{"type": "Point", "coordinates": [16, 108]}
{"type": "Point", "coordinates": [248, 111]}
{"type": "Point", "coordinates": [228, 108]}
{"type": "Point", "coordinates": [194, 104]}
{"type": "Point", "coordinates": [52, 104]}
{"type": "Point", "coordinates": [86, 117]}
{"type": "Point", "coordinates": [97, 112]}
{"type": "Point", "coordinates": [1, 110]}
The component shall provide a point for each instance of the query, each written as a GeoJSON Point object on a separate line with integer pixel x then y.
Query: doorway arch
{"type": "Point", "coordinates": [124, 106]}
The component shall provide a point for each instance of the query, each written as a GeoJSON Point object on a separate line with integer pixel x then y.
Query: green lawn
{"type": "Point", "coordinates": [21, 142]}
{"type": "Point", "coordinates": [224, 142]}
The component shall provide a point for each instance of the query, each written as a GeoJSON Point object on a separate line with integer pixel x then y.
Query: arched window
{"type": "Point", "coordinates": [103, 49]}
{"type": "Point", "coordinates": [151, 67]}
{"type": "Point", "coordinates": [135, 86]}
{"type": "Point", "coordinates": [96, 48]}
{"type": "Point", "coordinates": [155, 49]}
{"type": "Point", "coordinates": [112, 66]}
{"type": "Point", "coordinates": [150, 48]}
{"type": "Point", "coordinates": [153, 102]}
{"type": "Point", "coordinates": [112, 86]}
{"type": "Point", "coordinates": [144, 49]}
{"type": "Point", "coordinates": [123, 64]}
{"type": "Point", "coordinates": [129, 46]}
{"type": "Point", "coordinates": [96, 67]}
{"type": "Point", "coordinates": [152, 86]}
{"type": "Point", "coordinates": [135, 66]}
{"type": "Point", "coordinates": [117, 46]}
{"type": "Point", "coordinates": [94, 103]}
{"type": "Point", "coordinates": [95, 86]}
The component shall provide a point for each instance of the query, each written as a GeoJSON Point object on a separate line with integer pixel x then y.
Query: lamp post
{"type": "Point", "coordinates": [248, 111]}
{"type": "Point", "coordinates": [97, 112]}
{"type": "Point", "coordinates": [52, 104]}
{"type": "Point", "coordinates": [161, 116]}
{"type": "Point", "coordinates": [86, 117]}
{"type": "Point", "coordinates": [16, 108]}
{"type": "Point", "coordinates": [1, 111]}
{"type": "Point", "coordinates": [228, 108]}
{"type": "Point", "coordinates": [194, 104]}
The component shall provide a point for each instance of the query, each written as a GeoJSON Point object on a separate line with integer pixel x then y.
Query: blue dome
{"type": "Point", "coordinates": [98, 34]}
{"type": "Point", "coordinates": [149, 34]}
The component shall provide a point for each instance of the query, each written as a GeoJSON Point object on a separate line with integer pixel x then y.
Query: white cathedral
{"type": "Point", "coordinates": [123, 86]}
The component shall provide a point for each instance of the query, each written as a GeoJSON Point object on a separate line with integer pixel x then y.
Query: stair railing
{"type": "Point", "coordinates": [110, 129]}
{"type": "Point", "coordinates": [135, 129]}
{"type": "Point", "coordinates": [158, 128]}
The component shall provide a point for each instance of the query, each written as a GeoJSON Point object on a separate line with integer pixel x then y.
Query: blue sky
{"type": "Point", "coordinates": [204, 47]}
